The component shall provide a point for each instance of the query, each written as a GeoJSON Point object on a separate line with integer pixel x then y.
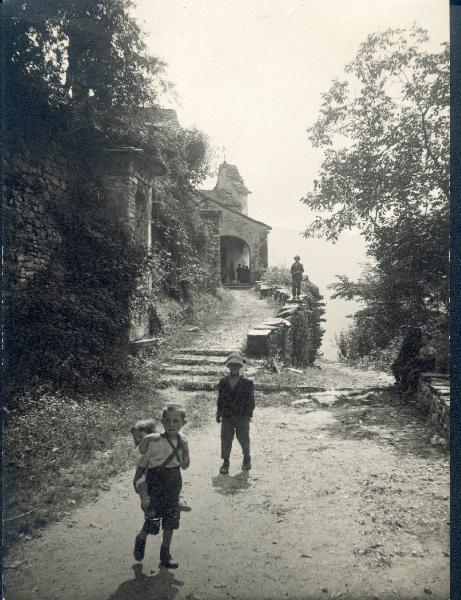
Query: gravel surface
{"type": "Point", "coordinates": [346, 499]}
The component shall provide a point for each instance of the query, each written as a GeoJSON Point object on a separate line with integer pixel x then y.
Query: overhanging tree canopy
{"type": "Point", "coordinates": [385, 134]}
{"type": "Point", "coordinates": [386, 137]}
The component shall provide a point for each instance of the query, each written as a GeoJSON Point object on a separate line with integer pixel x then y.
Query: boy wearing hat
{"type": "Point", "coordinates": [234, 411]}
{"type": "Point", "coordinates": [297, 271]}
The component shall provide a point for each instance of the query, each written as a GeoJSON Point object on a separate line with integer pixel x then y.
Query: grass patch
{"type": "Point", "coordinates": [59, 450]}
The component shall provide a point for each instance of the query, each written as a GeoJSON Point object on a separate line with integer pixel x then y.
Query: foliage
{"type": "Point", "coordinates": [308, 333]}
{"type": "Point", "coordinates": [81, 59]}
{"type": "Point", "coordinates": [179, 236]}
{"type": "Point", "coordinates": [279, 276]}
{"type": "Point", "coordinates": [356, 346]}
{"type": "Point", "coordinates": [386, 138]}
{"type": "Point", "coordinates": [79, 78]}
{"type": "Point", "coordinates": [62, 448]}
{"type": "Point", "coordinates": [80, 318]}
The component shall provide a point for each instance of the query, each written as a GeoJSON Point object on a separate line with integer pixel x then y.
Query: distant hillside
{"type": "Point", "coordinates": [322, 261]}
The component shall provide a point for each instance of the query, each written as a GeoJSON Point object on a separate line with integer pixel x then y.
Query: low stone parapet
{"type": "Point", "coordinates": [259, 342]}
{"type": "Point", "coordinates": [294, 334]}
{"type": "Point", "coordinates": [265, 291]}
{"type": "Point", "coordinates": [433, 397]}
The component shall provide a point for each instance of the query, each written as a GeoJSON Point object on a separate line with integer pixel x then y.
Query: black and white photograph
{"type": "Point", "coordinates": [226, 300]}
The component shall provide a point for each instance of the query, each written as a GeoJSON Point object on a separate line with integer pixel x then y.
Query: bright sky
{"type": "Point", "coordinates": [250, 73]}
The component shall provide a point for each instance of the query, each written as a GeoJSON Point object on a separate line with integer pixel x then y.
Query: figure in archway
{"type": "Point", "coordinates": [231, 272]}
{"type": "Point", "coordinates": [246, 274]}
{"type": "Point", "coordinates": [239, 273]}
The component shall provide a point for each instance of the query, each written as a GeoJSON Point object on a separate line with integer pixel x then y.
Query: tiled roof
{"type": "Point", "coordinates": [214, 196]}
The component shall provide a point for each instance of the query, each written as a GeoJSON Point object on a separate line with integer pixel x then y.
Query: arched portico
{"type": "Point", "coordinates": [237, 238]}
{"type": "Point", "coordinates": [234, 252]}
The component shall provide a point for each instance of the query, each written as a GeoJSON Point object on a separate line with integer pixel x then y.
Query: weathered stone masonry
{"type": "Point", "coordinates": [33, 187]}
{"type": "Point", "coordinates": [433, 398]}
{"type": "Point", "coordinates": [243, 240]}
{"type": "Point", "coordinates": [127, 180]}
{"type": "Point", "coordinates": [38, 183]}
{"type": "Point", "coordinates": [294, 334]}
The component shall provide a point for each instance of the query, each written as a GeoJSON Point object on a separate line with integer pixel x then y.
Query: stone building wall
{"type": "Point", "coordinates": [37, 183]}
{"type": "Point", "coordinates": [243, 239]}
{"type": "Point", "coordinates": [128, 184]}
{"type": "Point", "coordinates": [433, 400]}
{"type": "Point", "coordinates": [212, 220]}
{"type": "Point", "coordinates": [31, 235]}
{"type": "Point", "coordinates": [250, 231]}
{"type": "Point", "coordinates": [127, 180]}
{"type": "Point", "coordinates": [230, 182]}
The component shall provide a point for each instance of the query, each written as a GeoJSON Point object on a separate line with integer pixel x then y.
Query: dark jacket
{"type": "Point", "coordinates": [297, 271]}
{"type": "Point", "coordinates": [239, 401]}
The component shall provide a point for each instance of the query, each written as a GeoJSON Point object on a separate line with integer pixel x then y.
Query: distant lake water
{"type": "Point", "coordinates": [322, 261]}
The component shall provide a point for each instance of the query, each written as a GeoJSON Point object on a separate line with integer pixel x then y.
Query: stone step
{"type": "Point", "coordinates": [197, 360]}
{"type": "Point", "coordinates": [203, 383]}
{"type": "Point", "coordinates": [206, 352]}
{"type": "Point", "coordinates": [427, 375]}
{"type": "Point", "coordinates": [145, 345]}
{"type": "Point", "coordinates": [205, 369]}
{"type": "Point", "coordinates": [194, 370]}
{"type": "Point", "coordinates": [188, 385]}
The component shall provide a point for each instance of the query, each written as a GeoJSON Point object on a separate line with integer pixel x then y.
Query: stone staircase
{"type": "Point", "coordinates": [238, 286]}
{"type": "Point", "coordinates": [198, 369]}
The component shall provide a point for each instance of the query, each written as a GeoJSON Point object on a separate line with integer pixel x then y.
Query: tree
{"type": "Point", "coordinates": [385, 131]}
{"type": "Point", "coordinates": [84, 58]}
{"type": "Point", "coordinates": [386, 134]}
{"type": "Point", "coordinates": [78, 79]}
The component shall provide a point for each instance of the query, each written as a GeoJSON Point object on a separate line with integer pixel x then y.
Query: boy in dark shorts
{"type": "Point", "coordinates": [234, 411]}
{"type": "Point", "coordinates": [164, 457]}
{"type": "Point", "coordinates": [143, 432]}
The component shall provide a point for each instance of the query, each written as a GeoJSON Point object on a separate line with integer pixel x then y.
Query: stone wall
{"type": "Point", "coordinates": [433, 398]}
{"type": "Point", "coordinates": [212, 220]}
{"type": "Point", "coordinates": [292, 334]}
{"type": "Point", "coordinates": [127, 181]}
{"type": "Point", "coordinates": [253, 233]}
{"type": "Point", "coordinates": [33, 186]}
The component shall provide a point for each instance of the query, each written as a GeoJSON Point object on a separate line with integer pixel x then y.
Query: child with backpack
{"type": "Point", "coordinates": [163, 457]}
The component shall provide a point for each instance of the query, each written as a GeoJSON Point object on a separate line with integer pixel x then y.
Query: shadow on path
{"type": "Point", "coordinates": [383, 417]}
{"type": "Point", "coordinates": [162, 585]}
{"type": "Point", "coordinates": [231, 484]}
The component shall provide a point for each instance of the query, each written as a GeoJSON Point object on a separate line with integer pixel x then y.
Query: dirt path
{"type": "Point", "coordinates": [346, 499]}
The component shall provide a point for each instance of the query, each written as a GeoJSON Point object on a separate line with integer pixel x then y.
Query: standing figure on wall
{"type": "Point", "coordinates": [231, 272]}
{"type": "Point", "coordinates": [297, 271]}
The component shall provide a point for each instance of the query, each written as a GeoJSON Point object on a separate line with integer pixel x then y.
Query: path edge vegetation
{"type": "Point", "coordinates": [78, 80]}
{"type": "Point", "coordinates": [384, 129]}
